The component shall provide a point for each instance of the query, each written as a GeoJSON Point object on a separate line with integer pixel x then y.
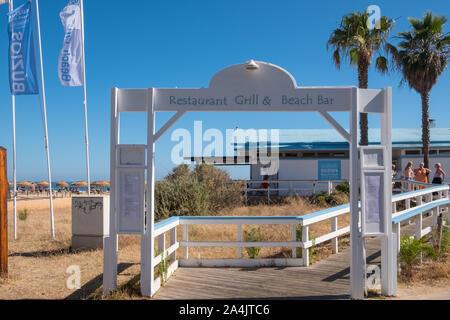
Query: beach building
{"type": "Point", "coordinates": [322, 155]}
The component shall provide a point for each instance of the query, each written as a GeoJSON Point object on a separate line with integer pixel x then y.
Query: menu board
{"type": "Point", "coordinates": [373, 203]}
{"type": "Point", "coordinates": [131, 200]}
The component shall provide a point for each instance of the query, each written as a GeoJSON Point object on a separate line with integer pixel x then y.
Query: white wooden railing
{"type": "Point", "coordinates": [433, 199]}
{"type": "Point", "coordinates": [253, 188]}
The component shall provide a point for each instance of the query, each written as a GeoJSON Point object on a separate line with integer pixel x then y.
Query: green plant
{"type": "Point", "coordinates": [163, 266]}
{"type": "Point", "coordinates": [445, 239]}
{"type": "Point", "coordinates": [334, 199]}
{"type": "Point", "coordinates": [355, 40]}
{"type": "Point", "coordinates": [253, 236]}
{"type": "Point", "coordinates": [201, 191]}
{"type": "Point", "coordinates": [411, 252]}
{"type": "Point", "coordinates": [421, 56]}
{"type": "Point", "coordinates": [343, 187]}
{"type": "Point", "coordinates": [23, 214]}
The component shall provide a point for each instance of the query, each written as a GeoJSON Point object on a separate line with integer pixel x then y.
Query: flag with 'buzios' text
{"type": "Point", "coordinates": [22, 58]}
{"type": "Point", "coordinates": [70, 62]}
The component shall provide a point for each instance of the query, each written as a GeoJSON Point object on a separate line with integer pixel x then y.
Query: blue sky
{"type": "Point", "coordinates": [140, 44]}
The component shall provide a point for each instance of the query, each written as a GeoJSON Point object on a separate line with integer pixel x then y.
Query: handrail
{"type": "Point", "coordinates": [434, 198]}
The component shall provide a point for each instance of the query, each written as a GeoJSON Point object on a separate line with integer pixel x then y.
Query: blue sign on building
{"type": "Point", "coordinates": [329, 170]}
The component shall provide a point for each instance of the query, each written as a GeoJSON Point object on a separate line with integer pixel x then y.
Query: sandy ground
{"type": "Point", "coordinates": [38, 264]}
{"type": "Point", "coordinates": [438, 291]}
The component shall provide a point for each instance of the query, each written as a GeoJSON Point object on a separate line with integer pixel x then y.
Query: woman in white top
{"type": "Point", "coordinates": [439, 175]}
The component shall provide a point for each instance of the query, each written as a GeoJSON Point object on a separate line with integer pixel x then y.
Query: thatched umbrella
{"type": "Point", "coordinates": [62, 184]}
{"type": "Point", "coordinates": [80, 184]}
{"type": "Point", "coordinates": [101, 183]}
{"type": "Point", "coordinates": [25, 184]}
{"type": "Point", "coordinates": [43, 183]}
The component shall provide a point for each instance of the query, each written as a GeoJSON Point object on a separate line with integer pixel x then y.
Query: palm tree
{"type": "Point", "coordinates": [358, 42]}
{"type": "Point", "coordinates": [422, 57]}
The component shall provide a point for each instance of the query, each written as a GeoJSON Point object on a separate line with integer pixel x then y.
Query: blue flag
{"type": "Point", "coordinates": [22, 58]}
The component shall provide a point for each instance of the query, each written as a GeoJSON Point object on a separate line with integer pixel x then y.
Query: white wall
{"type": "Point", "coordinates": [301, 169]}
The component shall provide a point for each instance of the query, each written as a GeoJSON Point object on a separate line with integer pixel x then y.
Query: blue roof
{"type": "Point", "coordinates": [330, 139]}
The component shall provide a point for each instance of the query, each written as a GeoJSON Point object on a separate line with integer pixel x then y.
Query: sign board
{"type": "Point", "coordinates": [373, 191]}
{"type": "Point", "coordinates": [131, 188]}
{"type": "Point", "coordinates": [329, 170]}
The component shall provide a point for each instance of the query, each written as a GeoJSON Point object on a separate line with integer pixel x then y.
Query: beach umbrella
{"type": "Point", "coordinates": [25, 184]}
{"type": "Point", "coordinates": [43, 183]}
{"type": "Point", "coordinates": [62, 184]}
{"type": "Point", "coordinates": [80, 184]}
{"type": "Point", "coordinates": [101, 183]}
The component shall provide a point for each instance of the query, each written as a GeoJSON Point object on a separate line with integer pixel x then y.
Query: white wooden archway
{"type": "Point", "coordinates": [249, 87]}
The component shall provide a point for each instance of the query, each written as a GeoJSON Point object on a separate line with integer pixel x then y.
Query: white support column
{"type": "Point", "coordinates": [147, 241]}
{"type": "Point", "coordinates": [388, 254]}
{"type": "Point", "coordinates": [162, 243]}
{"type": "Point", "coordinates": [334, 241]}
{"type": "Point", "coordinates": [357, 258]}
{"type": "Point", "coordinates": [173, 240]}
{"type": "Point", "coordinates": [110, 242]}
{"type": "Point", "coordinates": [419, 227]}
{"type": "Point", "coordinates": [397, 231]}
{"type": "Point", "coordinates": [305, 251]}
{"type": "Point", "coordinates": [294, 239]}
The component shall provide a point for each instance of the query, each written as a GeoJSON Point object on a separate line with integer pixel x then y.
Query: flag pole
{"type": "Point", "coordinates": [45, 123]}
{"type": "Point", "coordinates": [13, 98]}
{"type": "Point", "coordinates": [85, 100]}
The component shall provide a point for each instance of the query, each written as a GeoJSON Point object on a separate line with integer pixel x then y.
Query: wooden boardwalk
{"type": "Point", "coordinates": [326, 279]}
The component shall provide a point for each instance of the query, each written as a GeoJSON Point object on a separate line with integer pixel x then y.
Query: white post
{"type": "Point", "coordinates": [294, 239]}
{"type": "Point", "coordinates": [162, 244]}
{"type": "Point", "coordinates": [334, 241]}
{"type": "Point", "coordinates": [388, 252]}
{"type": "Point", "coordinates": [13, 100]}
{"type": "Point", "coordinates": [85, 100]}
{"type": "Point", "coordinates": [305, 251]}
{"type": "Point", "coordinates": [397, 231]}
{"type": "Point", "coordinates": [110, 242]}
{"type": "Point", "coordinates": [357, 258]}
{"type": "Point", "coordinates": [173, 240]}
{"type": "Point", "coordinates": [52, 221]}
{"type": "Point", "coordinates": [419, 220]}
{"type": "Point", "coordinates": [147, 242]}
{"type": "Point", "coordinates": [185, 239]}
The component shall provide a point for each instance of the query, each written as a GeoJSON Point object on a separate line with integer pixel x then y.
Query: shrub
{"type": "Point", "coordinates": [411, 251]}
{"type": "Point", "coordinates": [334, 199]}
{"type": "Point", "coordinates": [23, 214]}
{"type": "Point", "coordinates": [253, 236]}
{"type": "Point", "coordinates": [343, 187]}
{"type": "Point", "coordinates": [204, 190]}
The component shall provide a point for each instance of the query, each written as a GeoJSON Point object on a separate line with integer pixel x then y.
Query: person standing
{"type": "Point", "coordinates": [408, 173]}
{"type": "Point", "coordinates": [421, 174]}
{"type": "Point", "coordinates": [439, 175]}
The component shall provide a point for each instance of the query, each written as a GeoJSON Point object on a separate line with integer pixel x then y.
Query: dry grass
{"type": "Point", "coordinates": [38, 263]}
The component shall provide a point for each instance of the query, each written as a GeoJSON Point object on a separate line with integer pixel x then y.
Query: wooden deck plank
{"type": "Point", "coordinates": [326, 279]}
